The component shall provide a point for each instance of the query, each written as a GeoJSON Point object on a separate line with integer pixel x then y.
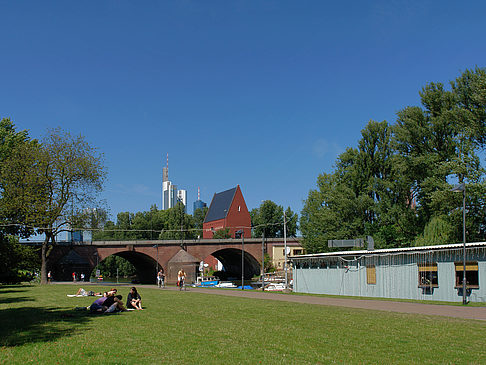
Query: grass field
{"type": "Point", "coordinates": [39, 325]}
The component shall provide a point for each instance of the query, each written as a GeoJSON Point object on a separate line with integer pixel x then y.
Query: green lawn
{"type": "Point", "coordinates": [39, 324]}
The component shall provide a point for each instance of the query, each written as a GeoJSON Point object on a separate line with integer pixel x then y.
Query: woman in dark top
{"type": "Point", "coordinates": [134, 300]}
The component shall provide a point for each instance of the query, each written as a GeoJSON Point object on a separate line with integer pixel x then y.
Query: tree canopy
{"type": "Point", "coordinates": [268, 219]}
{"type": "Point", "coordinates": [48, 186]}
{"type": "Point", "coordinates": [396, 185]}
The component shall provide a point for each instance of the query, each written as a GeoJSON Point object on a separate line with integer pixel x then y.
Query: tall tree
{"type": "Point", "coordinates": [396, 185]}
{"type": "Point", "coordinates": [53, 183]}
{"type": "Point", "coordinates": [15, 257]}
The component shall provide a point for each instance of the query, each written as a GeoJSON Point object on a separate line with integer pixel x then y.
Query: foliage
{"type": "Point", "coordinates": [268, 264]}
{"type": "Point", "coordinates": [198, 219]}
{"type": "Point", "coordinates": [222, 233]}
{"type": "Point", "coordinates": [108, 267]}
{"type": "Point", "coordinates": [51, 184]}
{"type": "Point", "coordinates": [268, 219]}
{"type": "Point", "coordinates": [437, 232]}
{"type": "Point", "coordinates": [16, 258]}
{"type": "Point", "coordinates": [152, 225]}
{"type": "Point", "coordinates": [395, 186]}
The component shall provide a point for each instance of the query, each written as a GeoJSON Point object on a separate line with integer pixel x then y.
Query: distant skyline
{"type": "Point", "coordinates": [261, 94]}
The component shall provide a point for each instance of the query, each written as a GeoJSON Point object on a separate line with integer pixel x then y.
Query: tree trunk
{"type": "Point", "coordinates": [44, 261]}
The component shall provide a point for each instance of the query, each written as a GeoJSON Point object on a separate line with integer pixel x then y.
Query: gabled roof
{"type": "Point", "coordinates": [220, 205]}
{"type": "Point", "coordinates": [183, 257]}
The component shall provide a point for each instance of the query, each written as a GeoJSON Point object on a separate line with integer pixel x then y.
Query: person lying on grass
{"type": "Point", "coordinates": [87, 293]}
{"type": "Point", "coordinates": [134, 300]}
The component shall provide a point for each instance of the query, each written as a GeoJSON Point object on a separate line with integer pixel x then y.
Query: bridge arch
{"type": "Point", "coordinates": [144, 264]}
{"type": "Point", "coordinates": [231, 260]}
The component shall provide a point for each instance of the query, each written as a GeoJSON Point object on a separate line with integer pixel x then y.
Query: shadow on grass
{"type": "Point", "coordinates": [34, 324]}
{"type": "Point", "coordinates": [15, 300]}
{"type": "Point", "coordinates": [11, 291]}
{"type": "Point", "coordinates": [14, 286]}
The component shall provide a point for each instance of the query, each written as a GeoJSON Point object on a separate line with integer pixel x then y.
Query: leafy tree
{"type": "Point", "coordinates": [15, 257]}
{"type": "Point", "coordinates": [269, 219]}
{"type": "Point", "coordinates": [52, 183]}
{"type": "Point", "coordinates": [437, 232]}
{"type": "Point", "coordinates": [107, 233]}
{"type": "Point", "coordinates": [222, 233]}
{"type": "Point", "coordinates": [108, 267]}
{"type": "Point", "coordinates": [198, 217]}
{"type": "Point", "coordinates": [178, 224]}
{"type": "Point", "coordinates": [396, 185]}
{"type": "Point", "coordinates": [268, 264]}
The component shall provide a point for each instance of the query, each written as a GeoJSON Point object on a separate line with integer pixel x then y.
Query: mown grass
{"type": "Point", "coordinates": [438, 302]}
{"type": "Point", "coordinates": [38, 324]}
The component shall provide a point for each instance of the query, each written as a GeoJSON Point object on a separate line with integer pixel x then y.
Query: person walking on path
{"type": "Point", "coordinates": [160, 279]}
{"type": "Point", "coordinates": [181, 278]}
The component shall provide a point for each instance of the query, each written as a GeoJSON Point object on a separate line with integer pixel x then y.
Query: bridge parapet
{"type": "Point", "coordinates": [208, 242]}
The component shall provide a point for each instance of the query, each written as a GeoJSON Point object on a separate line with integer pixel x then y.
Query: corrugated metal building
{"type": "Point", "coordinates": [426, 273]}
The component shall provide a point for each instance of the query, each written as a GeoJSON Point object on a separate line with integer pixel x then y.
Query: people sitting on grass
{"type": "Point", "coordinates": [108, 304]}
{"type": "Point", "coordinates": [113, 304]}
{"type": "Point", "coordinates": [134, 300]}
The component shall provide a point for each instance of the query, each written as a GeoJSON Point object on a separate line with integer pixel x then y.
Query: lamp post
{"type": "Point", "coordinates": [242, 232]}
{"type": "Point", "coordinates": [263, 260]}
{"type": "Point", "coordinates": [156, 259]}
{"type": "Point", "coordinates": [462, 188]}
{"type": "Point", "coordinates": [285, 248]}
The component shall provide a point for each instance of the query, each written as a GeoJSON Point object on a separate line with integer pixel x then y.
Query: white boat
{"type": "Point", "coordinates": [207, 281]}
{"type": "Point", "coordinates": [275, 287]}
{"type": "Point", "coordinates": [226, 284]}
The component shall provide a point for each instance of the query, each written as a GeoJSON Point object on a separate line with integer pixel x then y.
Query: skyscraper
{"type": "Point", "coordinates": [170, 194]}
{"type": "Point", "coordinates": [182, 197]}
{"type": "Point", "coordinates": [199, 204]}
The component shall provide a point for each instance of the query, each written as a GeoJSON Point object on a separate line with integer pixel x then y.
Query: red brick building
{"type": "Point", "coordinates": [227, 210]}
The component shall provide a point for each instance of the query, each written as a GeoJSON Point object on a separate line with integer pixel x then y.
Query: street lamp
{"type": "Point", "coordinates": [285, 248]}
{"type": "Point", "coordinates": [156, 259]}
{"type": "Point", "coordinates": [242, 233]}
{"type": "Point", "coordinates": [462, 188]}
{"type": "Point", "coordinates": [263, 260]}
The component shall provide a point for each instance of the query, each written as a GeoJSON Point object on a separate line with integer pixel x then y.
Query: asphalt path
{"type": "Point", "coordinates": [464, 312]}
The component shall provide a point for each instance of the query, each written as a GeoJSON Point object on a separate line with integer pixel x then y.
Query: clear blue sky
{"type": "Point", "coordinates": [264, 94]}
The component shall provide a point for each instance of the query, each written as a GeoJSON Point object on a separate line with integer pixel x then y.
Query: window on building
{"type": "Point", "coordinates": [472, 274]}
{"type": "Point", "coordinates": [297, 252]}
{"type": "Point", "coordinates": [370, 274]}
{"type": "Point", "coordinates": [427, 275]}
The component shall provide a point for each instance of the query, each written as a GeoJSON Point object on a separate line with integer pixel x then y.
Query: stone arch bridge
{"type": "Point", "coordinates": [146, 256]}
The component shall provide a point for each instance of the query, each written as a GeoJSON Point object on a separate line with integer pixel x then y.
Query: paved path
{"type": "Point", "coordinates": [465, 312]}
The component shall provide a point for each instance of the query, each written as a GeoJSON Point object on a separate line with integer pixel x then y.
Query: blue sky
{"type": "Point", "coordinates": [264, 94]}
